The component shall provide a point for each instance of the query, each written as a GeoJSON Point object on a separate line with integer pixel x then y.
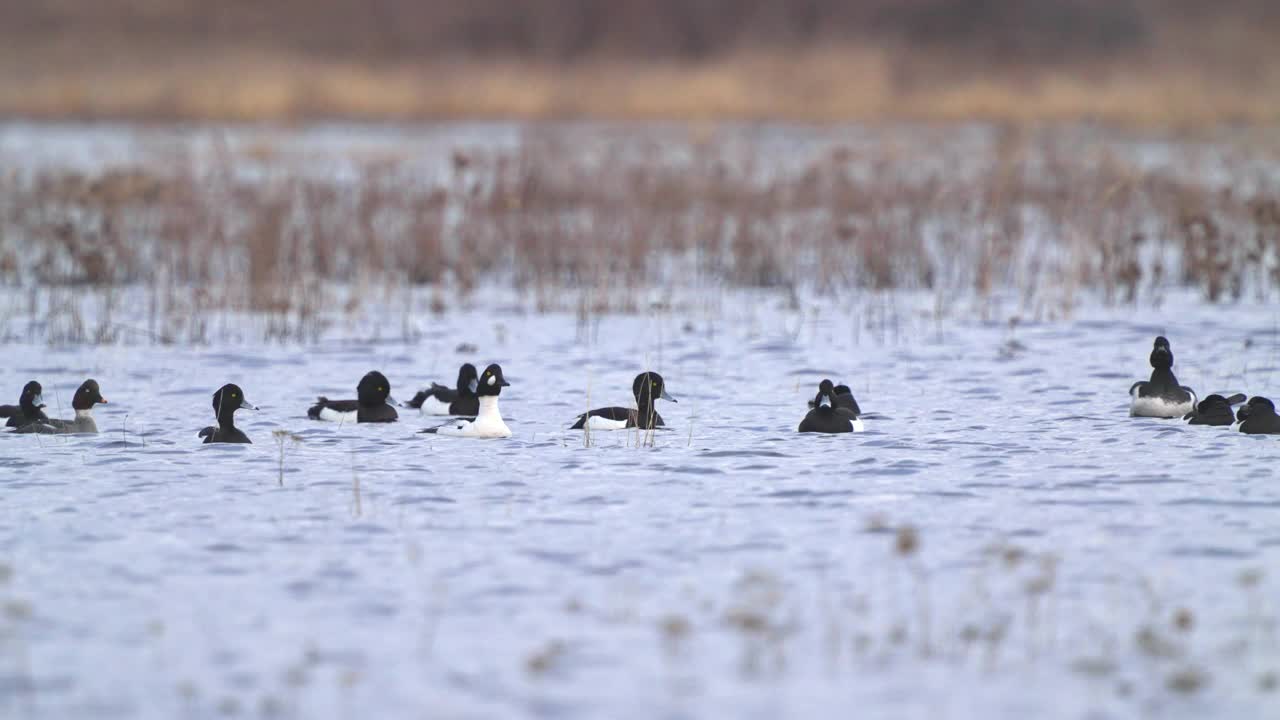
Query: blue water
{"type": "Point", "coordinates": [732, 569]}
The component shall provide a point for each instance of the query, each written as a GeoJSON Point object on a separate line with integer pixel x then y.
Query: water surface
{"type": "Point", "coordinates": [732, 569]}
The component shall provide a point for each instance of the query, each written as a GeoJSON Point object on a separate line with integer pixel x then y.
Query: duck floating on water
{"type": "Point", "coordinates": [1161, 396]}
{"type": "Point", "coordinates": [488, 422]}
{"type": "Point", "coordinates": [458, 400]}
{"type": "Point", "coordinates": [226, 401]}
{"type": "Point", "coordinates": [1258, 417]}
{"type": "Point", "coordinates": [647, 388]}
{"type": "Point", "coordinates": [87, 396]}
{"type": "Point", "coordinates": [1215, 410]}
{"type": "Point", "coordinates": [29, 407]}
{"type": "Point", "coordinates": [828, 416]}
{"type": "Point", "coordinates": [373, 395]}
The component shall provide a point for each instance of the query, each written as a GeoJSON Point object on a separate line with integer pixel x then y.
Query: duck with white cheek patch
{"type": "Point", "coordinates": [488, 422]}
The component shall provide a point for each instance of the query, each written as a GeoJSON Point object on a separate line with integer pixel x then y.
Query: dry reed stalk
{"type": "Point", "coordinates": [1025, 212]}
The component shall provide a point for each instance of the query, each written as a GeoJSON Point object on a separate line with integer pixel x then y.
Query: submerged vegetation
{"type": "Point", "coordinates": [593, 219]}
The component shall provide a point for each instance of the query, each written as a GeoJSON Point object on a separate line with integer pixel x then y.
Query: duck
{"type": "Point", "coordinates": [8, 411]}
{"type": "Point", "coordinates": [441, 400]}
{"type": "Point", "coordinates": [647, 388]}
{"type": "Point", "coordinates": [844, 400]}
{"type": "Point", "coordinates": [1161, 396]}
{"type": "Point", "coordinates": [226, 401]}
{"type": "Point", "coordinates": [488, 420]}
{"type": "Point", "coordinates": [1258, 417]}
{"type": "Point", "coordinates": [373, 395]}
{"type": "Point", "coordinates": [87, 396]}
{"type": "Point", "coordinates": [1214, 410]}
{"type": "Point", "coordinates": [826, 416]}
{"type": "Point", "coordinates": [28, 409]}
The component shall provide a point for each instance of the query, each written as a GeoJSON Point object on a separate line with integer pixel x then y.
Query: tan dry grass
{"type": "Point", "coordinates": [1043, 215]}
{"type": "Point", "coordinates": [818, 84]}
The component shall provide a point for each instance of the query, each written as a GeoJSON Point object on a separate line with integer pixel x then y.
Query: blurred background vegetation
{"type": "Point", "coordinates": [1148, 62]}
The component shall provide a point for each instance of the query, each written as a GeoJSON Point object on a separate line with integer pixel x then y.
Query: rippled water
{"type": "Point", "coordinates": [734, 569]}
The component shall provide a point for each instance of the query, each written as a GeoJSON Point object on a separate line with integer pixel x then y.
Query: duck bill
{"type": "Point", "coordinates": [245, 405]}
{"type": "Point", "coordinates": [38, 400]}
{"type": "Point", "coordinates": [474, 385]}
{"type": "Point", "coordinates": [504, 383]}
{"type": "Point", "coordinates": [101, 400]}
{"type": "Point", "coordinates": [391, 400]}
{"type": "Point", "coordinates": [667, 396]}
{"type": "Point", "coordinates": [824, 402]}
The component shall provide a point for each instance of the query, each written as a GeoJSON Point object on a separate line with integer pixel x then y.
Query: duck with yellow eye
{"type": "Point", "coordinates": [226, 401]}
{"type": "Point", "coordinates": [648, 388]}
{"type": "Point", "coordinates": [372, 403]}
{"type": "Point", "coordinates": [488, 422]}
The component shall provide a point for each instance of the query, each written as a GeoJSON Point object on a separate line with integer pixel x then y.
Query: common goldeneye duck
{"type": "Point", "coordinates": [441, 400]}
{"type": "Point", "coordinates": [1258, 417]}
{"type": "Point", "coordinates": [28, 408]}
{"type": "Point", "coordinates": [488, 420]}
{"type": "Point", "coordinates": [844, 400]}
{"type": "Point", "coordinates": [1161, 396]}
{"type": "Point", "coordinates": [647, 388]}
{"type": "Point", "coordinates": [226, 401]}
{"type": "Point", "coordinates": [1214, 410]}
{"type": "Point", "coordinates": [827, 416]}
{"type": "Point", "coordinates": [86, 397]}
{"type": "Point", "coordinates": [370, 406]}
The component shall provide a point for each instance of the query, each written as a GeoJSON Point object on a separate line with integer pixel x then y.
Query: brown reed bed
{"type": "Point", "coordinates": [1140, 62]}
{"type": "Point", "coordinates": [1044, 216]}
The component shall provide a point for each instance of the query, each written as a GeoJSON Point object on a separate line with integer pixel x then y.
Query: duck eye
{"type": "Point", "coordinates": [235, 395]}
{"type": "Point", "coordinates": [379, 388]}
